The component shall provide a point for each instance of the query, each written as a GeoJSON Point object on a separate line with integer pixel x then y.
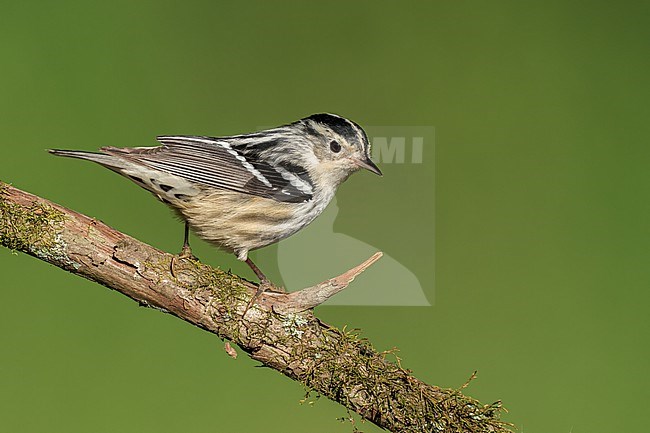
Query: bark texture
{"type": "Point", "coordinates": [278, 330]}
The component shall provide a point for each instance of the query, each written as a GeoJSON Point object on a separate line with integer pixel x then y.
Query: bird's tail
{"type": "Point", "coordinates": [166, 187]}
{"type": "Point", "coordinates": [108, 161]}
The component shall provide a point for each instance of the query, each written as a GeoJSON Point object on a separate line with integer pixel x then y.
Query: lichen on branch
{"type": "Point", "coordinates": [34, 229]}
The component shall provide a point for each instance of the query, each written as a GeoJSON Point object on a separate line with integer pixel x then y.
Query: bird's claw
{"type": "Point", "coordinates": [268, 286]}
{"type": "Point", "coordinates": [264, 286]}
{"type": "Point", "coordinates": [186, 253]}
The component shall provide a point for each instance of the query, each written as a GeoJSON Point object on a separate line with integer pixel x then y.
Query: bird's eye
{"type": "Point", "coordinates": [335, 146]}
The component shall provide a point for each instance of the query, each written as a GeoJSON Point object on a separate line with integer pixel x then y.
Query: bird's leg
{"type": "Point", "coordinates": [186, 251]}
{"type": "Point", "coordinates": [265, 283]}
{"type": "Point", "coordinates": [257, 271]}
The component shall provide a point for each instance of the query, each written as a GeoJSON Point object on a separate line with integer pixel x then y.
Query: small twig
{"type": "Point", "coordinates": [230, 350]}
{"type": "Point", "coordinates": [314, 296]}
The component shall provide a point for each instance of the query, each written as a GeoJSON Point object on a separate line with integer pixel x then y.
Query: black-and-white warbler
{"type": "Point", "coordinates": [245, 192]}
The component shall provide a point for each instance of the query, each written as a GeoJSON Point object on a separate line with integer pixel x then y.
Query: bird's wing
{"type": "Point", "coordinates": [218, 163]}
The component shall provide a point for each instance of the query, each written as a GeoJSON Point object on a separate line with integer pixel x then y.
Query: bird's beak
{"type": "Point", "coordinates": [368, 165]}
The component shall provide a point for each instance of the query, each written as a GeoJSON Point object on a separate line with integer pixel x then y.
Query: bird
{"type": "Point", "coordinates": [244, 192]}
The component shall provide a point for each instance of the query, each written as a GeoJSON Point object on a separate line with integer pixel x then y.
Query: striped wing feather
{"type": "Point", "coordinates": [216, 163]}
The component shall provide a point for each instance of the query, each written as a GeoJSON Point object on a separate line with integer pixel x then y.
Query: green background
{"type": "Point", "coordinates": [541, 201]}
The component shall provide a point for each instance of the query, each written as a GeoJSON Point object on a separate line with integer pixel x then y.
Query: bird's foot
{"type": "Point", "coordinates": [265, 285]}
{"type": "Point", "coordinates": [186, 253]}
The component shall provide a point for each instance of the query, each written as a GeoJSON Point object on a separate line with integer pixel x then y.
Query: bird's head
{"type": "Point", "coordinates": [340, 147]}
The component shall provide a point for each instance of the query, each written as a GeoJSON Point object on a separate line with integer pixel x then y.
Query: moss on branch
{"type": "Point", "coordinates": [34, 229]}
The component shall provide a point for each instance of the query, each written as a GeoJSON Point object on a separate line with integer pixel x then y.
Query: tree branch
{"type": "Point", "coordinates": [279, 330]}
